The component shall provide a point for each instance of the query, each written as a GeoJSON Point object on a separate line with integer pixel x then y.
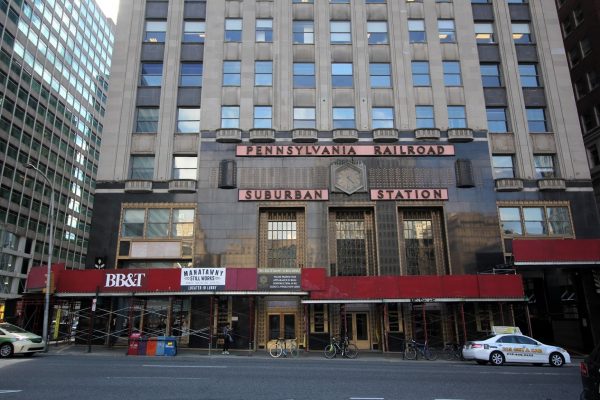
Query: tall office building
{"type": "Point", "coordinates": [384, 169]}
{"type": "Point", "coordinates": [54, 66]}
{"type": "Point", "coordinates": [579, 20]}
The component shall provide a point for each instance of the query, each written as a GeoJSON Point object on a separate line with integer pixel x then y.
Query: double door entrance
{"type": "Point", "coordinates": [356, 326]}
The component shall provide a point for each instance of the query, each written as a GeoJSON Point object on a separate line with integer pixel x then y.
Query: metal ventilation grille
{"type": "Point", "coordinates": [411, 177]}
{"type": "Point", "coordinates": [283, 178]}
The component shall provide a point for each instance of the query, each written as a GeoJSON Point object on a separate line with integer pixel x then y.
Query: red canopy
{"type": "Point", "coordinates": [557, 252]}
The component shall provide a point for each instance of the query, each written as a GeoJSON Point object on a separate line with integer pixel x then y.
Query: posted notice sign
{"type": "Point", "coordinates": [202, 279]}
{"type": "Point", "coordinates": [278, 279]}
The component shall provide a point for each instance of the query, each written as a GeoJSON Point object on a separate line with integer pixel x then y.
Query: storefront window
{"type": "Point", "coordinates": [319, 318]}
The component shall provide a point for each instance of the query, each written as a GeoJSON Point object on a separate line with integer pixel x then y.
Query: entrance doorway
{"type": "Point", "coordinates": [357, 329]}
{"type": "Point", "coordinates": [282, 325]}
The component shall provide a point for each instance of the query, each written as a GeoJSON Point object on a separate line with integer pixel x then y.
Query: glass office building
{"type": "Point", "coordinates": [54, 71]}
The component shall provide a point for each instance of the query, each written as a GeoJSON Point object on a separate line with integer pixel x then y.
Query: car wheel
{"type": "Point", "coordinates": [497, 358]}
{"type": "Point", "coordinates": [6, 350]}
{"type": "Point", "coordinates": [481, 362]}
{"type": "Point", "coordinates": [557, 360]}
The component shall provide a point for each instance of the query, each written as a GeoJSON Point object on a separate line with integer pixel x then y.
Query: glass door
{"type": "Point", "coordinates": [282, 326]}
{"type": "Point", "coordinates": [357, 329]}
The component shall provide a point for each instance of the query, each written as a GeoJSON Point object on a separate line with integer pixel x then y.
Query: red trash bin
{"type": "Point", "coordinates": [134, 343]}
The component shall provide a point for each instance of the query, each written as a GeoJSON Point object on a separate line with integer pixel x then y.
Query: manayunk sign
{"type": "Point", "coordinates": [407, 150]}
{"type": "Point", "coordinates": [202, 279]}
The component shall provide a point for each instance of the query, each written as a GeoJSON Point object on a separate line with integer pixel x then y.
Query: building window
{"type": "Point", "coordinates": [264, 30]}
{"type": "Point", "coordinates": [451, 73]}
{"type": "Point", "coordinates": [133, 223]}
{"type": "Point", "coordinates": [191, 74]}
{"type": "Point", "coordinates": [146, 120]}
{"type": "Point", "coordinates": [303, 32]}
{"type": "Point", "coordinates": [578, 15]}
{"type": "Point", "coordinates": [420, 73]}
{"type": "Point", "coordinates": [496, 118]}
{"type": "Point", "coordinates": [230, 117]}
{"type": "Point", "coordinates": [142, 168]}
{"type": "Point", "coordinates": [544, 166]}
{"type": "Point", "coordinates": [538, 220]}
{"type": "Point", "coordinates": [490, 75]}
{"type": "Point", "coordinates": [231, 73]}
{"type": "Point", "coordinates": [263, 73]}
{"type": "Point", "coordinates": [416, 31]}
{"type": "Point", "coordinates": [280, 239]}
{"type": "Point", "coordinates": [521, 33]}
{"type": "Point", "coordinates": [503, 167]}
{"type": "Point", "coordinates": [305, 118]}
{"type": "Point", "coordinates": [425, 117]}
{"type": "Point", "coordinates": [422, 245]}
{"type": "Point", "coordinates": [588, 120]}
{"type": "Point", "coordinates": [567, 26]}
{"type": "Point", "coordinates": [581, 87]}
{"type": "Point", "coordinates": [319, 321]}
{"type": "Point", "coordinates": [536, 120]}
{"type": "Point", "coordinates": [156, 31]}
{"type": "Point", "coordinates": [188, 120]}
{"type": "Point", "coordinates": [339, 1]}
{"type": "Point", "coordinates": [375, 1]}
{"type": "Point", "coordinates": [304, 75]}
{"type": "Point", "coordinates": [263, 117]}
{"type": "Point", "coordinates": [185, 167]}
{"type": "Point", "coordinates": [151, 74]}
{"type": "Point", "coordinates": [303, 1]}
{"type": "Point", "coordinates": [382, 117]}
{"type": "Point", "coordinates": [380, 75]}
{"type": "Point", "coordinates": [574, 55]}
{"type": "Point", "coordinates": [341, 75]}
{"type": "Point", "coordinates": [593, 78]}
{"type": "Point", "coordinates": [233, 30]}
{"type": "Point", "coordinates": [354, 246]}
{"type": "Point", "coordinates": [194, 31]}
{"type": "Point", "coordinates": [340, 32]}
{"type": "Point", "coordinates": [343, 118]}
{"type": "Point", "coordinates": [457, 117]}
{"type": "Point", "coordinates": [157, 222]}
{"type": "Point", "coordinates": [484, 33]}
{"type": "Point", "coordinates": [586, 46]}
{"type": "Point", "coordinates": [529, 75]}
{"type": "Point", "coordinates": [446, 31]}
{"type": "Point", "coordinates": [377, 32]}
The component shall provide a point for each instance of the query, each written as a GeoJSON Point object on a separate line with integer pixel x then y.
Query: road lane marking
{"type": "Point", "coordinates": [367, 398]}
{"type": "Point", "coordinates": [9, 391]}
{"type": "Point", "coordinates": [183, 366]}
{"type": "Point", "coordinates": [154, 377]}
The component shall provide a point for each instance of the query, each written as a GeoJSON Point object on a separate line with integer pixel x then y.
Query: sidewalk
{"type": "Point", "coordinates": [121, 351]}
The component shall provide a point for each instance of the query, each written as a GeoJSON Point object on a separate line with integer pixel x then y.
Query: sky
{"type": "Point", "coordinates": [110, 8]}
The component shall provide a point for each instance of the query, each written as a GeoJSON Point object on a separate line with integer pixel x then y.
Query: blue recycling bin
{"type": "Point", "coordinates": [170, 346]}
{"type": "Point", "coordinates": [160, 345]}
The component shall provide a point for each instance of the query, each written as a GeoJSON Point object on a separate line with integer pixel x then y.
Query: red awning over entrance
{"type": "Point", "coordinates": [557, 252]}
{"type": "Point", "coordinates": [412, 288]}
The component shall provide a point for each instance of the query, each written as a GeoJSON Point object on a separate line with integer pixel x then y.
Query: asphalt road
{"type": "Point", "coordinates": [115, 376]}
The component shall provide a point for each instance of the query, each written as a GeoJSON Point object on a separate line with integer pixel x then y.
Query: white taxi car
{"type": "Point", "coordinates": [14, 340]}
{"type": "Point", "coordinates": [514, 347]}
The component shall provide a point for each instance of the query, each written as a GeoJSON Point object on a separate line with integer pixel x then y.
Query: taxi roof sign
{"type": "Point", "coordinates": [500, 330]}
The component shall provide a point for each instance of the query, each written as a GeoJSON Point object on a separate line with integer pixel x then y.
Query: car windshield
{"type": "Point", "coordinates": [11, 328]}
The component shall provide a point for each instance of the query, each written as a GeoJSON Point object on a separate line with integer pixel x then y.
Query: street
{"type": "Point", "coordinates": [112, 375]}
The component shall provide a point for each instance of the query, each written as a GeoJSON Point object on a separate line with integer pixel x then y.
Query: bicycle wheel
{"type": "Point", "coordinates": [330, 351]}
{"type": "Point", "coordinates": [410, 353]}
{"type": "Point", "coordinates": [275, 349]}
{"type": "Point", "coordinates": [449, 354]}
{"type": "Point", "coordinates": [294, 351]}
{"type": "Point", "coordinates": [351, 351]}
{"type": "Point", "coordinates": [431, 354]}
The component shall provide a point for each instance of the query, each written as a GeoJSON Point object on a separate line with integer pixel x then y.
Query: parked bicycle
{"type": "Point", "coordinates": [413, 350]}
{"type": "Point", "coordinates": [452, 351]}
{"type": "Point", "coordinates": [283, 348]}
{"type": "Point", "coordinates": [345, 348]}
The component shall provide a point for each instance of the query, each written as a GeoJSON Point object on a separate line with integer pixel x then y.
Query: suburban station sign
{"type": "Point", "coordinates": [408, 150]}
{"type": "Point", "coordinates": [283, 195]}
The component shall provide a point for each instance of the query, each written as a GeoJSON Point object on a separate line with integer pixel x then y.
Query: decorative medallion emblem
{"type": "Point", "coordinates": [348, 177]}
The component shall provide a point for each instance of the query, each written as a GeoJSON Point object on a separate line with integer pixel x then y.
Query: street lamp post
{"type": "Point", "coordinates": [50, 249]}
